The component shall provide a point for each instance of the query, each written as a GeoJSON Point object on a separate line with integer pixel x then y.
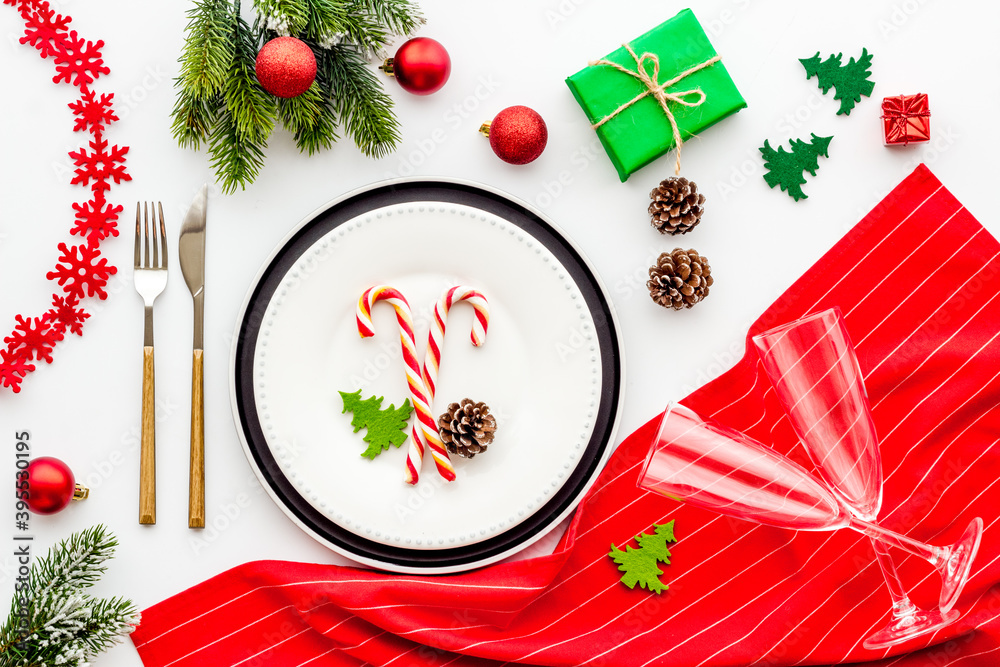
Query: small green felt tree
{"type": "Point", "coordinates": [385, 427]}
{"type": "Point", "coordinates": [851, 80]}
{"type": "Point", "coordinates": [641, 566]}
{"type": "Point", "coordinates": [786, 168]}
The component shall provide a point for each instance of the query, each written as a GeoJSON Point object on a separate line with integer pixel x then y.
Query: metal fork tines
{"type": "Point", "coordinates": [150, 280]}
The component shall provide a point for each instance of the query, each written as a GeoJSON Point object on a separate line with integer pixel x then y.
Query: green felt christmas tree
{"type": "Point", "coordinates": [385, 427]}
{"type": "Point", "coordinates": [641, 566]}
{"type": "Point", "coordinates": [786, 168]}
{"type": "Point", "coordinates": [851, 80]}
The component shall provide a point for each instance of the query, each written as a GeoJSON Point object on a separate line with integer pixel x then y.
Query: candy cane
{"type": "Point", "coordinates": [435, 338]}
{"type": "Point", "coordinates": [432, 358]}
{"type": "Point", "coordinates": [414, 379]}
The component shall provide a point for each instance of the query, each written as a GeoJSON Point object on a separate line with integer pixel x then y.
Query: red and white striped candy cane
{"type": "Point", "coordinates": [414, 379]}
{"type": "Point", "coordinates": [435, 338]}
{"type": "Point", "coordinates": [432, 358]}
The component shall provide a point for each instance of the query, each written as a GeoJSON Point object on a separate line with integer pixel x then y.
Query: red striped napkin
{"type": "Point", "coordinates": [917, 283]}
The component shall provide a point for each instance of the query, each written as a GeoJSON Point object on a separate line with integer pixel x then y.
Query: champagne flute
{"type": "Point", "coordinates": [707, 464]}
{"type": "Point", "coordinates": [815, 374]}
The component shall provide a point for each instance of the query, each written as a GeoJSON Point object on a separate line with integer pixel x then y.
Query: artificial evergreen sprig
{"type": "Point", "coordinates": [65, 626]}
{"type": "Point", "coordinates": [220, 103]}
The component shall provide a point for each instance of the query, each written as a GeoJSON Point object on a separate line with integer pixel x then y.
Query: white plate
{"type": "Point", "coordinates": [550, 371]}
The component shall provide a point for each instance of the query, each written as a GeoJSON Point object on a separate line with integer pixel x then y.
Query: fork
{"type": "Point", "coordinates": [150, 280]}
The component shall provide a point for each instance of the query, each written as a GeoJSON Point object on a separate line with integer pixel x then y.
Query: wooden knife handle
{"type": "Point", "coordinates": [196, 484]}
{"type": "Point", "coordinates": [147, 452]}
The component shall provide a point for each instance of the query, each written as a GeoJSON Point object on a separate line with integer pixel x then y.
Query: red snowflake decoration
{"type": "Point", "coordinates": [93, 113]}
{"type": "Point", "coordinates": [13, 368]}
{"type": "Point", "coordinates": [45, 30]}
{"type": "Point", "coordinates": [99, 165]}
{"type": "Point", "coordinates": [80, 271]}
{"type": "Point", "coordinates": [34, 340]}
{"type": "Point", "coordinates": [96, 219]}
{"type": "Point", "coordinates": [66, 316]}
{"type": "Point", "coordinates": [79, 62]}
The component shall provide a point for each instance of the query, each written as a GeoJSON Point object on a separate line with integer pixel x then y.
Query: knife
{"type": "Point", "coordinates": [191, 249]}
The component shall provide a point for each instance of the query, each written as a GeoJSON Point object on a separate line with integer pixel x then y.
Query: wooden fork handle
{"type": "Point", "coordinates": [196, 480]}
{"type": "Point", "coordinates": [147, 452]}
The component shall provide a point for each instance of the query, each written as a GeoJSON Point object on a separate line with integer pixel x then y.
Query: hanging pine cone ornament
{"type": "Point", "coordinates": [467, 428]}
{"type": "Point", "coordinates": [679, 279]}
{"type": "Point", "coordinates": [677, 206]}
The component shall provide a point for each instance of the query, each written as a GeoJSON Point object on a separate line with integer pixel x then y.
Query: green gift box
{"type": "Point", "coordinates": [634, 131]}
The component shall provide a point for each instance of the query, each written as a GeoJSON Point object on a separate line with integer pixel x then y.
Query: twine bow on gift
{"type": "Point", "coordinates": [658, 91]}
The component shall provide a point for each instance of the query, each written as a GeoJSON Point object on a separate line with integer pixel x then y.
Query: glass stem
{"type": "Point", "coordinates": [933, 555]}
{"type": "Point", "coordinates": [901, 605]}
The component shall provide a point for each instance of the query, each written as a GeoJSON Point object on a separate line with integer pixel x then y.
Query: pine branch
{"type": "Point", "coordinates": [294, 14]}
{"type": "Point", "coordinates": [117, 615]}
{"type": "Point", "coordinates": [193, 118]}
{"type": "Point", "coordinates": [220, 102]}
{"type": "Point", "coordinates": [251, 107]}
{"type": "Point", "coordinates": [311, 117]}
{"type": "Point", "coordinates": [75, 563]}
{"type": "Point", "coordinates": [236, 145]}
{"type": "Point", "coordinates": [362, 104]}
{"type": "Point", "coordinates": [207, 49]}
{"type": "Point", "coordinates": [401, 17]}
{"type": "Point", "coordinates": [363, 30]}
{"type": "Point", "coordinates": [52, 622]}
{"type": "Point", "coordinates": [205, 62]}
{"type": "Point", "coordinates": [236, 158]}
{"type": "Point", "coordinates": [326, 18]}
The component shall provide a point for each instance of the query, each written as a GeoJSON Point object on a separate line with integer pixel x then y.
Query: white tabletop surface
{"type": "Point", "coordinates": [84, 408]}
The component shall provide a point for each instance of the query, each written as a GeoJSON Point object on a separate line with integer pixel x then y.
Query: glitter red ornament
{"type": "Point", "coordinates": [517, 134]}
{"type": "Point", "coordinates": [51, 485]}
{"type": "Point", "coordinates": [286, 67]}
{"type": "Point", "coordinates": [421, 65]}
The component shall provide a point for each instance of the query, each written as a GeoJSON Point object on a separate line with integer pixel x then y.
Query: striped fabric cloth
{"type": "Point", "coordinates": [917, 283]}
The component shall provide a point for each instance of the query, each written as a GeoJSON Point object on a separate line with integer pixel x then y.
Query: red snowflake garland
{"type": "Point", "coordinates": [80, 271]}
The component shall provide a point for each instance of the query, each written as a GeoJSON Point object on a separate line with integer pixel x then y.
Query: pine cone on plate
{"type": "Point", "coordinates": [677, 206]}
{"type": "Point", "coordinates": [679, 279]}
{"type": "Point", "coordinates": [467, 428]}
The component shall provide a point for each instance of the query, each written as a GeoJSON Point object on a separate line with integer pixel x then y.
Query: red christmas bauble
{"type": "Point", "coordinates": [286, 67]}
{"type": "Point", "coordinates": [51, 485]}
{"type": "Point", "coordinates": [421, 65]}
{"type": "Point", "coordinates": [517, 135]}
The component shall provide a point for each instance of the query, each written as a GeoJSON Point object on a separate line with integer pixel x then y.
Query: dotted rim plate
{"type": "Point", "coordinates": [538, 381]}
{"type": "Point", "coordinates": [294, 259]}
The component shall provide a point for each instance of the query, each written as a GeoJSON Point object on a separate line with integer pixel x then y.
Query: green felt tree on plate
{"type": "Point", "coordinates": [385, 427]}
{"type": "Point", "coordinates": [641, 566]}
{"type": "Point", "coordinates": [851, 80]}
{"type": "Point", "coordinates": [786, 168]}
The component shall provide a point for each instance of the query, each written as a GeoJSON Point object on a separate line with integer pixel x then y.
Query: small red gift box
{"type": "Point", "coordinates": [906, 119]}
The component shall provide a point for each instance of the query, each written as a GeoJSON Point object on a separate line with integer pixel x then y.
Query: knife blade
{"type": "Point", "coordinates": [191, 249]}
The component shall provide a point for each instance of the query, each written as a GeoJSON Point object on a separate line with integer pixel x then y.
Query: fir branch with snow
{"type": "Point", "coordinates": [220, 103]}
{"type": "Point", "coordinates": [52, 620]}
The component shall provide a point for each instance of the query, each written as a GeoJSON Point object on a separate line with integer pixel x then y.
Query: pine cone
{"type": "Point", "coordinates": [468, 428]}
{"type": "Point", "coordinates": [676, 206]}
{"type": "Point", "coordinates": [679, 279]}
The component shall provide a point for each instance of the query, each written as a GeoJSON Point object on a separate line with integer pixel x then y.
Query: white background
{"type": "Point", "coordinates": [84, 408]}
